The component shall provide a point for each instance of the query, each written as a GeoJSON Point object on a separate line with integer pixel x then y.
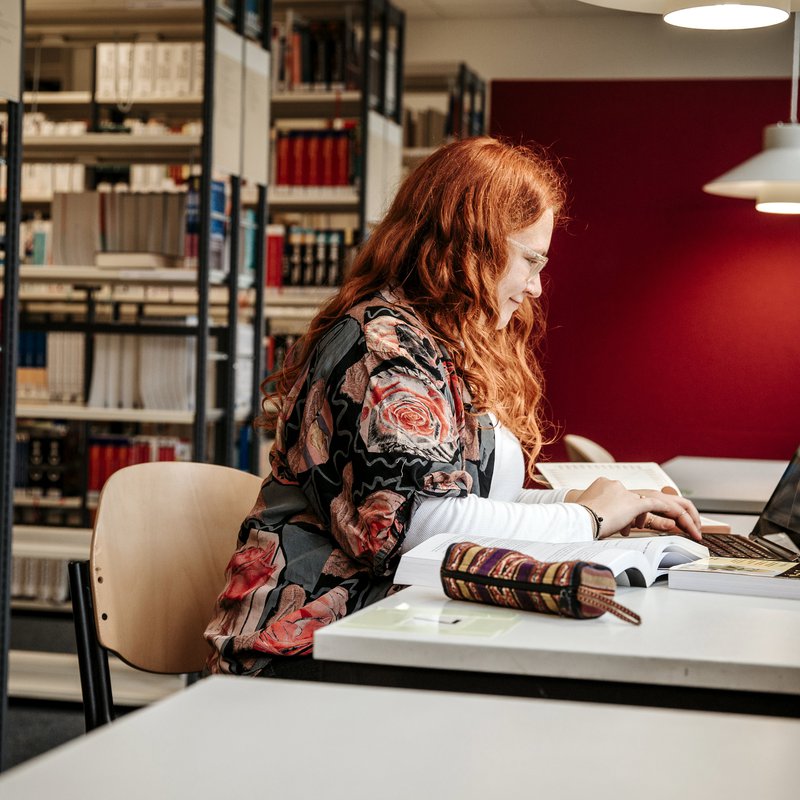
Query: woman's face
{"type": "Point", "coordinates": [527, 251]}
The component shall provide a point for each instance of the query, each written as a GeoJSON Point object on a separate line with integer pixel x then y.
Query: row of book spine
{"type": "Point", "coordinates": [84, 224]}
{"type": "Point", "coordinates": [44, 580]}
{"type": "Point", "coordinates": [128, 71]}
{"type": "Point", "coordinates": [426, 127]}
{"type": "Point", "coordinates": [276, 347]}
{"type": "Point", "coordinates": [46, 460]}
{"type": "Point", "coordinates": [316, 55]}
{"type": "Point", "coordinates": [317, 156]}
{"type": "Point", "coordinates": [62, 380]}
{"type": "Point", "coordinates": [109, 453]}
{"type": "Point", "coordinates": [316, 257]}
{"type": "Point", "coordinates": [49, 460]}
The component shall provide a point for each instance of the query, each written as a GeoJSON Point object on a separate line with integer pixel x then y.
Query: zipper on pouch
{"type": "Point", "coordinates": [505, 583]}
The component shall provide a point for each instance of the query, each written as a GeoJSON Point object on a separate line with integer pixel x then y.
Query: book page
{"type": "Point", "coordinates": [632, 474]}
{"type": "Point", "coordinates": [420, 565]}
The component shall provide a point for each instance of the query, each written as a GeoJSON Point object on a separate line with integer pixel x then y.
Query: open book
{"type": "Point", "coordinates": [634, 562]}
{"type": "Point", "coordinates": [632, 475]}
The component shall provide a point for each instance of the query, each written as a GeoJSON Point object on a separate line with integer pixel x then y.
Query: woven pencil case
{"type": "Point", "coordinates": [503, 577]}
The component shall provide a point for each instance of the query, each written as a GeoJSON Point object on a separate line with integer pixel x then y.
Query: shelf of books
{"type": "Point", "coordinates": [141, 313]}
{"type": "Point", "coordinates": [442, 102]}
{"type": "Point", "coordinates": [335, 115]}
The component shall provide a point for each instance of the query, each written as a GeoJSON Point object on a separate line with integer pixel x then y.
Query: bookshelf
{"type": "Point", "coordinates": [336, 112]}
{"type": "Point", "coordinates": [11, 160]}
{"type": "Point", "coordinates": [216, 307]}
{"type": "Point", "coordinates": [443, 102]}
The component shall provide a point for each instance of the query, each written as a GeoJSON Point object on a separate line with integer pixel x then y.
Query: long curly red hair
{"type": "Point", "coordinates": [443, 244]}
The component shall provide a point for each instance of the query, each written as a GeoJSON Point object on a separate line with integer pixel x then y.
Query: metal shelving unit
{"type": "Point", "coordinates": [92, 300]}
{"type": "Point", "coordinates": [9, 333]}
{"type": "Point", "coordinates": [376, 100]}
{"type": "Point", "coordinates": [464, 94]}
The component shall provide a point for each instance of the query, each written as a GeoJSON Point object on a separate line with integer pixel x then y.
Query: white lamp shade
{"type": "Point", "coordinates": [710, 14]}
{"type": "Point", "coordinates": [774, 172]}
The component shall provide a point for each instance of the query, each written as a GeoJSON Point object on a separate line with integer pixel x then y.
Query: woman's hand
{"type": "Point", "coordinates": [622, 509]}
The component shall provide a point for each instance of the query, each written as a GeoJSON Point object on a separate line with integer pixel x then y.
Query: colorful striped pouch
{"type": "Point", "coordinates": [502, 577]}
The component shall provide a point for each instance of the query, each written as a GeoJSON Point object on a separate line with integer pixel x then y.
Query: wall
{"type": "Point", "coordinates": [674, 316]}
{"type": "Point", "coordinates": [620, 45]}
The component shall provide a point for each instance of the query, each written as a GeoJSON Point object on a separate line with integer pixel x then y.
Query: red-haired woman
{"type": "Point", "coordinates": [410, 407]}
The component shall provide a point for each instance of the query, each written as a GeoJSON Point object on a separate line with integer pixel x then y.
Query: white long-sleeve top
{"type": "Point", "coordinates": [509, 511]}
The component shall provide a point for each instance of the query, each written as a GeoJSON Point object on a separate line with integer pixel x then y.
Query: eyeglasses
{"type": "Point", "coordinates": [536, 260]}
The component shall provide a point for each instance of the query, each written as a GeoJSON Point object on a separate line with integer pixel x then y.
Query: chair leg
{"type": "Point", "coordinates": [98, 704]}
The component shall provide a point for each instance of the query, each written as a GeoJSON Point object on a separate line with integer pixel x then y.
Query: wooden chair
{"type": "Point", "coordinates": [163, 536]}
{"type": "Point", "coordinates": [579, 448]}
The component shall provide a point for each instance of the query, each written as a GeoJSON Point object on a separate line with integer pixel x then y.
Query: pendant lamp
{"type": "Point", "coordinates": [773, 176]}
{"type": "Point", "coordinates": [710, 14]}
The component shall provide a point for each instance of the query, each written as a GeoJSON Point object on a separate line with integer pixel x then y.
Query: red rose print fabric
{"type": "Point", "coordinates": [378, 418]}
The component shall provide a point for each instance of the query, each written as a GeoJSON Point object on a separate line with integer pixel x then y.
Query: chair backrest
{"type": "Point", "coordinates": [163, 535]}
{"type": "Point", "coordinates": [579, 448]}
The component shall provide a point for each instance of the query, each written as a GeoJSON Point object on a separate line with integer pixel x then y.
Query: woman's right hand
{"type": "Point", "coordinates": [621, 509]}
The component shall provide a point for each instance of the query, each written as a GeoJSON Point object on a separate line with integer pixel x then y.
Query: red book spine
{"type": "Point", "coordinates": [341, 160]}
{"type": "Point", "coordinates": [326, 157]}
{"type": "Point", "coordinates": [269, 355]}
{"type": "Point", "coordinates": [282, 156]}
{"type": "Point", "coordinates": [274, 253]}
{"type": "Point", "coordinates": [312, 158]}
{"type": "Point", "coordinates": [299, 164]}
{"type": "Point", "coordinates": [166, 450]}
{"type": "Point", "coordinates": [94, 481]}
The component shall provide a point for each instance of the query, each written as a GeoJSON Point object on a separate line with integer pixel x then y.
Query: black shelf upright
{"type": "Point", "coordinates": [204, 245]}
{"type": "Point", "coordinates": [8, 376]}
{"type": "Point", "coordinates": [259, 277]}
{"type": "Point", "coordinates": [226, 431]}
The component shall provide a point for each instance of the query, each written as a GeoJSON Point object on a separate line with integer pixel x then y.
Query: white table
{"type": "Point", "coordinates": [249, 737]}
{"type": "Point", "coordinates": [726, 485]}
{"type": "Point", "coordinates": [693, 650]}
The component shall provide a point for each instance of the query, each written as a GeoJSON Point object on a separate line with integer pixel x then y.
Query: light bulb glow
{"type": "Point", "coordinates": [778, 208]}
{"type": "Point", "coordinates": [726, 16]}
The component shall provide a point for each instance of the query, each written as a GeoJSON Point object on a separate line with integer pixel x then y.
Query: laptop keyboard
{"type": "Point", "coordinates": [729, 545]}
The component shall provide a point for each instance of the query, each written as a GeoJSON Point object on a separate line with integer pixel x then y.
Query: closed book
{"type": "Point", "coordinates": [749, 576]}
{"type": "Point", "coordinates": [273, 274]}
{"type": "Point", "coordinates": [144, 70]}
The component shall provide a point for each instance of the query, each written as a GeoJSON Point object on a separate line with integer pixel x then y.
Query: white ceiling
{"type": "Point", "coordinates": [493, 9]}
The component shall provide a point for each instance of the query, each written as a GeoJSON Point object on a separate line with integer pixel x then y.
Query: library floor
{"type": "Point", "coordinates": [33, 727]}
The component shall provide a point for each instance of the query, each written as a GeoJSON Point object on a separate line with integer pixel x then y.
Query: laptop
{"type": "Point", "coordinates": [779, 520]}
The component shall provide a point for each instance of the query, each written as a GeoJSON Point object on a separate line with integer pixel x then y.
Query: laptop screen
{"type": "Point", "coordinates": [781, 514]}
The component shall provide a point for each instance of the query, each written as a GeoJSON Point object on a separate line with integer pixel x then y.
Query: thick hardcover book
{"type": "Point", "coordinates": [751, 576]}
{"type": "Point", "coordinates": [634, 562]}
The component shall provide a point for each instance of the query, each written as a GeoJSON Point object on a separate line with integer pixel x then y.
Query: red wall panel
{"type": "Point", "coordinates": [673, 315]}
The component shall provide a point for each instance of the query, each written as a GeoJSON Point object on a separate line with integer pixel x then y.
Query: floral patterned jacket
{"type": "Point", "coordinates": [377, 418]}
